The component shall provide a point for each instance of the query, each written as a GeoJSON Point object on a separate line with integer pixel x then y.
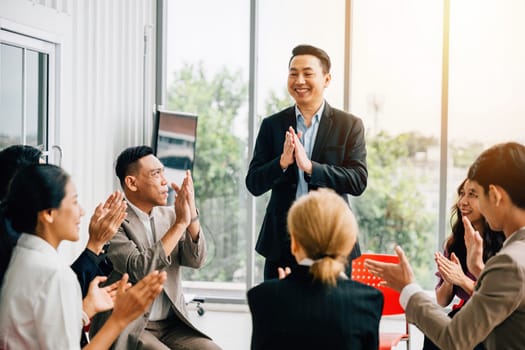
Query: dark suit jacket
{"type": "Point", "coordinates": [90, 265]}
{"type": "Point", "coordinates": [297, 313]}
{"type": "Point", "coordinates": [339, 163]}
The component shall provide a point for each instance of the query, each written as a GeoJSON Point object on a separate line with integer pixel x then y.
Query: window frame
{"type": "Point", "coordinates": [29, 39]}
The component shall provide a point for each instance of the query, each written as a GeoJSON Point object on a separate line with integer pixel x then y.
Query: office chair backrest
{"type": "Point", "coordinates": [391, 306]}
{"type": "Point", "coordinates": [361, 274]}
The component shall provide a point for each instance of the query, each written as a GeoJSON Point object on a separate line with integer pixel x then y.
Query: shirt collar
{"type": "Point", "coordinates": [515, 236]}
{"type": "Point", "coordinates": [31, 241]}
{"type": "Point", "coordinates": [306, 262]}
{"type": "Point", "coordinates": [310, 262]}
{"type": "Point", "coordinates": [317, 115]}
{"type": "Point", "coordinates": [140, 214]}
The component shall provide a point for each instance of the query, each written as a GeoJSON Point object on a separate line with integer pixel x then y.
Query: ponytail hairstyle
{"type": "Point", "coordinates": [323, 225]}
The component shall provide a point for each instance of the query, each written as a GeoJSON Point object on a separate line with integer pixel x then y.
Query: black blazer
{"type": "Point", "coordinates": [88, 266]}
{"type": "Point", "coordinates": [297, 313]}
{"type": "Point", "coordinates": [339, 163]}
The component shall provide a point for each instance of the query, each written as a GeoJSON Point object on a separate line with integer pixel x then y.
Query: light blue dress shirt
{"type": "Point", "coordinates": [308, 141]}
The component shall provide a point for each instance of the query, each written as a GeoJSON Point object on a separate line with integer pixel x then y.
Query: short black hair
{"type": "Point", "coordinates": [12, 159]}
{"type": "Point", "coordinates": [314, 51]}
{"type": "Point", "coordinates": [502, 165]}
{"type": "Point", "coordinates": [127, 160]}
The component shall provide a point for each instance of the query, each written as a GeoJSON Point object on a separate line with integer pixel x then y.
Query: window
{"type": "Point", "coordinates": [26, 90]}
{"type": "Point", "coordinates": [396, 89]}
{"type": "Point", "coordinates": [419, 146]}
{"type": "Point", "coordinates": [207, 75]}
{"type": "Point", "coordinates": [486, 77]}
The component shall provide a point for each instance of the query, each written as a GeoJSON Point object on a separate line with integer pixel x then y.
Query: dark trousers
{"type": "Point", "coordinates": [271, 266]}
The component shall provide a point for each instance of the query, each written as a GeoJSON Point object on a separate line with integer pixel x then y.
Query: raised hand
{"type": "Point", "coordinates": [301, 158]}
{"type": "Point", "coordinates": [191, 193]}
{"type": "Point", "coordinates": [287, 157]}
{"type": "Point", "coordinates": [99, 299]}
{"type": "Point", "coordinates": [182, 203]}
{"type": "Point", "coordinates": [129, 304]}
{"type": "Point", "coordinates": [133, 302]}
{"type": "Point", "coordinates": [395, 276]}
{"type": "Point", "coordinates": [105, 221]}
{"type": "Point", "coordinates": [474, 244]}
{"type": "Point", "coordinates": [282, 272]}
{"type": "Point", "coordinates": [452, 272]}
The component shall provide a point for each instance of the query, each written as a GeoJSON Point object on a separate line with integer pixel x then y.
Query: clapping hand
{"type": "Point", "coordinates": [474, 244]}
{"type": "Point", "coordinates": [105, 221]}
{"type": "Point", "coordinates": [452, 272]}
{"type": "Point", "coordinates": [99, 299]}
{"type": "Point", "coordinates": [395, 276]}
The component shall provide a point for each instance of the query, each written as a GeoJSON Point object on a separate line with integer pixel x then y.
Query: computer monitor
{"type": "Point", "coordinates": [174, 140]}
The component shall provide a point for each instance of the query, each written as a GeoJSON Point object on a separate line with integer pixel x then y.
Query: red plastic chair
{"type": "Point", "coordinates": [391, 304]}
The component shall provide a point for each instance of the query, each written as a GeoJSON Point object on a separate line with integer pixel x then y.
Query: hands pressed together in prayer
{"type": "Point", "coordinates": [185, 208]}
{"type": "Point", "coordinates": [293, 151]}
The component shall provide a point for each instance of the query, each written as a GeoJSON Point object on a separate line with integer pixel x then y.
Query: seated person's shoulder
{"type": "Point", "coordinates": [360, 288]}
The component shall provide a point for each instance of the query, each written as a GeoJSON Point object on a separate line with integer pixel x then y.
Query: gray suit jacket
{"type": "Point", "coordinates": [495, 314]}
{"type": "Point", "coordinates": [130, 252]}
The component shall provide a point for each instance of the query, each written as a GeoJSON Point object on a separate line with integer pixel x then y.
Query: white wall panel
{"type": "Point", "coordinates": [102, 106]}
{"type": "Point", "coordinates": [108, 90]}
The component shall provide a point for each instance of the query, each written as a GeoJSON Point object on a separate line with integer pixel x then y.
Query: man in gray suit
{"type": "Point", "coordinates": [495, 314]}
{"type": "Point", "coordinates": [157, 237]}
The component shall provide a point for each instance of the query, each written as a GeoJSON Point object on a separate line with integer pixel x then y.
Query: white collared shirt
{"type": "Point", "coordinates": [40, 299]}
{"type": "Point", "coordinates": [161, 305]}
{"type": "Point", "coordinates": [310, 262]}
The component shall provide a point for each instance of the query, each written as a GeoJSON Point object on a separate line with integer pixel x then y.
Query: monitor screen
{"type": "Point", "coordinates": [174, 144]}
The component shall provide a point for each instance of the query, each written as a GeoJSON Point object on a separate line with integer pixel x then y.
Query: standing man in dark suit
{"type": "Point", "coordinates": [304, 147]}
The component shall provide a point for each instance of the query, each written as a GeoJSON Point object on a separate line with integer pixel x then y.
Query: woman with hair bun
{"type": "Point", "coordinates": [316, 306]}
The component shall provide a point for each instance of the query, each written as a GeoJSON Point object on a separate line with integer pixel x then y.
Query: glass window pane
{"type": "Point", "coordinates": [396, 89]}
{"type": "Point", "coordinates": [11, 94]}
{"type": "Point", "coordinates": [487, 76]}
{"type": "Point", "coordinates": [207, 64]}
{"type": "Point", "coordinates": [36, 97]}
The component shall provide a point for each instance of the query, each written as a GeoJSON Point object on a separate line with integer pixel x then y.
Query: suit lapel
{"type": "Point", "coordinates": [135, 229]}
{"type": "Point", "coordinates": [325, 127]}
{"type": "Point", "coordinates": [290, 119]}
